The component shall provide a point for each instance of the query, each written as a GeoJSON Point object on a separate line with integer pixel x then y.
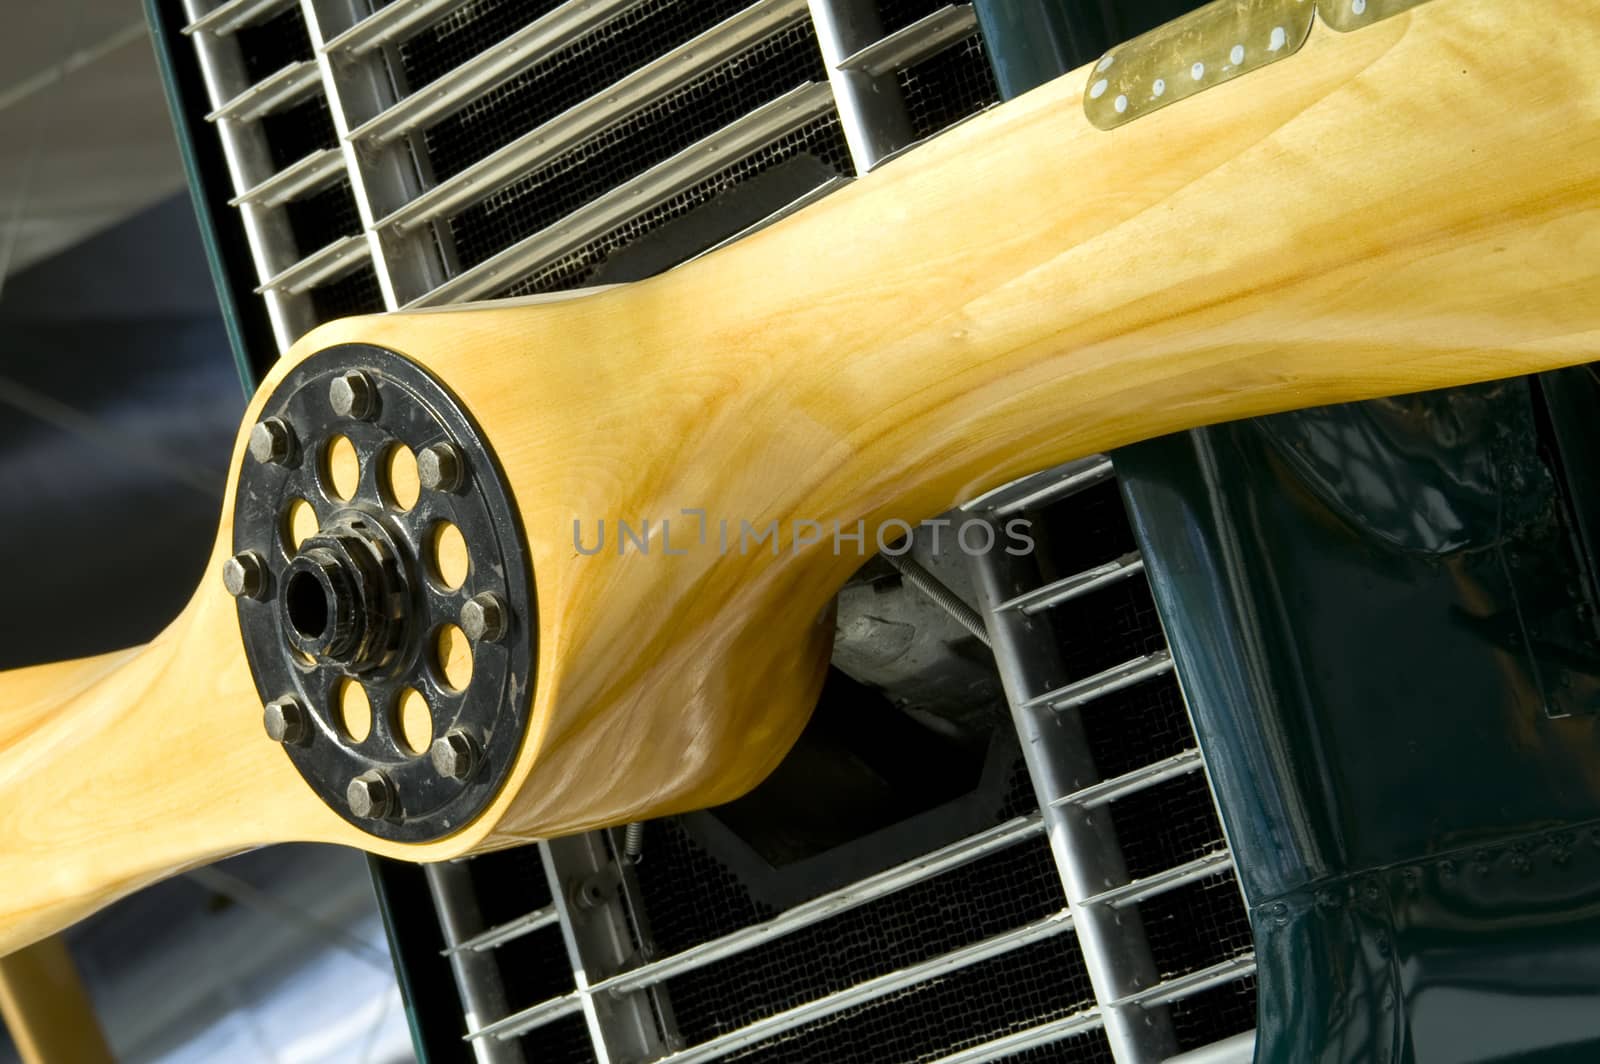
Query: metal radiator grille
{"type": "Point", "coordinates": [1133, 826]}
{"type": "Point", "coordinates": [1097, 919]}
{"type": "Point", "coordinates": [460, 149]}
{"type": "Point", "coordinates": [427, 151]}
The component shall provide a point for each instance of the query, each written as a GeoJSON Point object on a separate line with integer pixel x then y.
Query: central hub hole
{"type": "Point", "coordinates": [307, 605]}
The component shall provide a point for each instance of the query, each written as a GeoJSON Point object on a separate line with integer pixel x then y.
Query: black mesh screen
{"type": "Point", "coordinates": [1195, 926]}
{"type": "Point", "coordinates": [267, 47]}
{"type": "Point", "coordinates": [1165, 825]}
{"type": "Point", "coordinates": [1036, 984]}
{"type": "Point", "coordinates": [1090, 1048]}
{"type": "Point", "coordinates": [947, 87]}
{"type": "Point", "coordinates": [1137, 726]}
{"type": "Point", "coordinates": [463, 33]}
{"type": "Point", "coordinates": [1214, 1014]}
{"type": "Point", "coordinates": [509, 884]}
{"type": "Point", "coordinates": [628, 149]}
{"type": "Point", "coordinates": [322, 217]}
{"type": "Point", "coordinates": [357, 292]}
{"type": "Point", "coordinates": [566, 1041]}
{"type": "Point", "coordinates": [295, 132]}
{"type": "Point", "coordinates": [1083, 530]}
{"type": "Point", "coordinates": [535, 968]}
{"type": "Point", "coordinates": [997, 893]}
{"type": "Point", "coordinates": [571, 75]}
{"type": "Point", "coordinates": [822, 139]}
{"type": "Point", "coordinates": [1104, 628]}
{"type": "Point", "coordinates": [898, 14]}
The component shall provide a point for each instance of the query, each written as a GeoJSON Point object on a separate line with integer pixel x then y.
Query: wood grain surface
{"type": "Point", "coordinates": [1407, 207]}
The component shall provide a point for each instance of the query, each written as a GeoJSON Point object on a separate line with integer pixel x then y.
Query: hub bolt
{"type": "Point", "coordinates": [439, 468]}
{"type": "Point", "coordinates": [285, 720]}
{"type": "Point", "coordinates": [455, 755]}
{"type": "Point", "coordinates": [484, 617]}
{"type": "Point", "coordinates": [272, 441]}
{"type": "Point", "coordinates": [245, 575]}
{"type": "Point", "coordinates": [370, 795]}
{"type": "Point", "coordinates": [352, 394]}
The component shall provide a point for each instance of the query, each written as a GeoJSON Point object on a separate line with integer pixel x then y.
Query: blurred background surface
{"type": "Point", "coordinates": [119, 401]}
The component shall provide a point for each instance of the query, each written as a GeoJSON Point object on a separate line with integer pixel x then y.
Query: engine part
{"type": "Point", "coordinates": [350, 593]}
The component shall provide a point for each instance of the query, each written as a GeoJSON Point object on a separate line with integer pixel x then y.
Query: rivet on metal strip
{"type": "Point", "coordinates": [1204, 48]}
{"type": "Point", "coordinates": [1347, 15]}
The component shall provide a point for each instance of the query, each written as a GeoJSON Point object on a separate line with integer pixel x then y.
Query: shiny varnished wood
{"type": "Point", "coordinates": [1406, 207]}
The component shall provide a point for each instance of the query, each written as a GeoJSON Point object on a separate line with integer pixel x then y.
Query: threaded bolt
{"type": "Point", "coordinates": [353, 394]}
{"type": "Point", "coordinates": [370, 795]}
{"type": "Point", "coordinates": [633, 842]}
{"type": "Point", "coordinates": [245, 575]}
{"type": "Point", "coordinates": [272, 441]}
{"type": "Point", "coordinates": [439, 468]}
{"type": "Point", "coordinates": [484, 617]}
{"type": "Point", "coordinates": [285, 720]}
{"type": "Point", "coordinates": [455, 755]}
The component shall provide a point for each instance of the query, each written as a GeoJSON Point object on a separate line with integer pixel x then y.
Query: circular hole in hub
{"type": "Point", "coordinates": [400, 479]}
{"type": "Point", "coordinates": [447, 555]}
{"type": "Point", "coordinates": [299, 523]}
{"type": "Point", "coordinates": [415, 720]}
{"type": "Point", "coordinates": [355, 709]}
{"type": "Point", "coordinates": [453, 657]}
{"type": "Point", "coordinates": [305, 601]}
{"type": "Point", "coordinates": [341, 468]}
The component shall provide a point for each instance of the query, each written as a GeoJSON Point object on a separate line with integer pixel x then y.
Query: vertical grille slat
{"type": "Point", "coordinates": [1147, 843]}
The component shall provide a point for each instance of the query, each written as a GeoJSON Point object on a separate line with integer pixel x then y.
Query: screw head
{"type": "Point", "coordinates": [455, 755]}
{"type": "Point", "coordinates": [272, 441]}
{"type": "Point", "coordinates": [352, 394]}
{"type": "Point", "coordinates": [245, 575]}
{"type": "Point", "coordinates": [285, 720]}
{"type": "Point", "coordinates": [484, 617]}
{"type": "Point", "coordinates": [440, 468]}
{"type": "Point", "coordinates": [370, 795]}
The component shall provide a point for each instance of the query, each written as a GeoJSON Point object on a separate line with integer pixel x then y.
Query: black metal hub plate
{"type": "Point", "coordinates": [415, 410]}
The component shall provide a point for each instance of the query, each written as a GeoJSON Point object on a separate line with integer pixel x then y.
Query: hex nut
{"type": "Point", "coordinates": [245, 575]}
{"type": "Point", "coordinates": [484, 617]}
{"type": "Point", "coordinates": [455, 755]}
{"type": "Point", "coordinates": [272, 441]}
{"type": "Point", "coordinates": [370, 795]}
{"type": "Point", "coordinates": [353, 394]}
{"type": "Point", "coordinates": [285, 720]}
{"type": "Point", "coordinates": [440, 468]}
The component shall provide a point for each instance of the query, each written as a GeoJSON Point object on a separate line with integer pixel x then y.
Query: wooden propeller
{"type": "Point", "coordinates": [1407, 207]}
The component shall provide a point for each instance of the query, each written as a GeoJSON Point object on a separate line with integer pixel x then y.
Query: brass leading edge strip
{"type": "Point", "coordinates": [1347, 15]}
{"type": "Point", "coordinates": [1212, 45]}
